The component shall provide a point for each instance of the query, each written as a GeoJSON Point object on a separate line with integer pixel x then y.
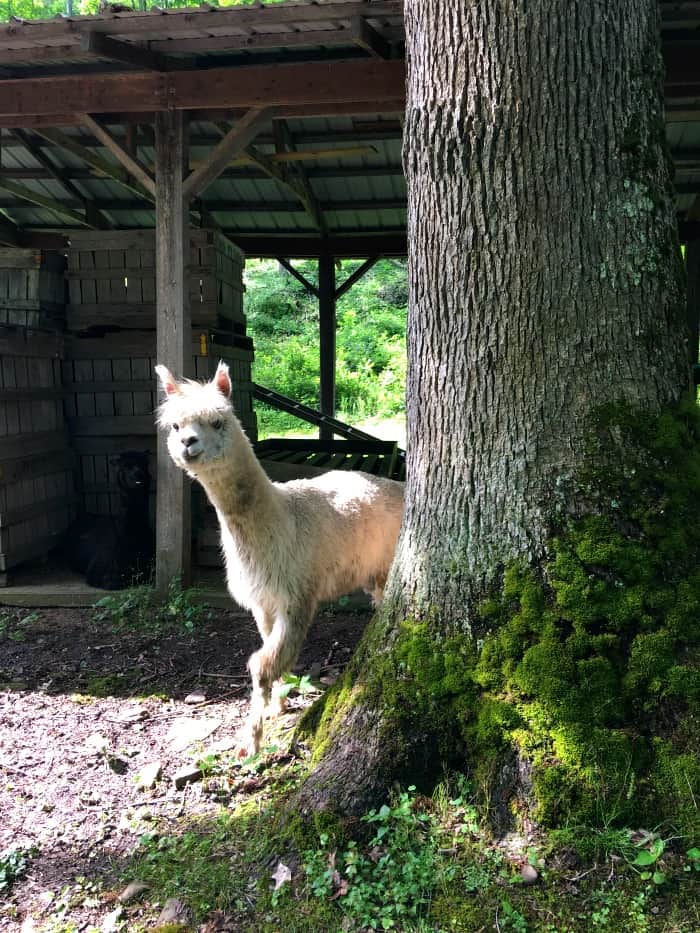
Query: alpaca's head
{"type": "Point", "coordinates": [199, 418]}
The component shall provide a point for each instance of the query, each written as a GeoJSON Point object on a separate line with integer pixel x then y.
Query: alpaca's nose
{"type": "Point", "coordinates": [191, 446]}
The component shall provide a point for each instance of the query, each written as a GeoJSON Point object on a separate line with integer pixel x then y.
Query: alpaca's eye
{"type": "Point", "coordinates": [218, 424]}
{"type": "Point", "coordinates": [175, 427]}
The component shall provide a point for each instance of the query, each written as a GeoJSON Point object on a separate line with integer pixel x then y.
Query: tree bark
{"type": "Point", "coordinates": [545, 279]}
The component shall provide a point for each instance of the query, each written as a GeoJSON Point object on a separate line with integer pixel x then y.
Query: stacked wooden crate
{"type": "Point", "coordinates": [110, 389]}
{"type": "Point", "coordinates": [111, 281]}
{"type": "Point", "coordinates": [32, 290]}
{"type": "Point", "coordinates": [37, 499]}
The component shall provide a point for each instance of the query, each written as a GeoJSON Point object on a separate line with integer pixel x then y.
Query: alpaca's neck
{"type": "Point", "coordinates": [238, 487]}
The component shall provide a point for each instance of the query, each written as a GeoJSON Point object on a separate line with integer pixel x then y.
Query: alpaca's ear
{"type": "Point", "coordinates": [222, 379]}
{"type": "Point", "coordinates": [167, 380]}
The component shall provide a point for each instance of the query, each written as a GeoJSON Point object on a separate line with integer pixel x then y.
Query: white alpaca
{"type": "Point", "coordinates": [287, 546]}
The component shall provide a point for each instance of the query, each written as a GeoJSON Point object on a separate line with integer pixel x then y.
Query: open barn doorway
{"type": "Point", "coordinates": [282, 311]}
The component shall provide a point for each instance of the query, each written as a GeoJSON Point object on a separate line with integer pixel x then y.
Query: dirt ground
{"type": "Point", "coordinates": [84, 709]}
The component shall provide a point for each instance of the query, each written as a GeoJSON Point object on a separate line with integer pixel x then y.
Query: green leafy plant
{"type": "Point", "coordinates": [511, 919]}
{"type": "Point", "coordinates": [301, 684]}
{"type": "Point", "coordinates": [647, 859]}
{"type": "Point", "coordinates": [371, 345]}
{"type": "Point", "coordinates": [387, 883]}
{"type": "Point", "coordinates": [13, 864]}
{"type": "Point", "coordinates": [693, 863]}
{"type": "Point", "coordinates": [136, 609]}
{"type": "Point", "coordinates": [13, 623]}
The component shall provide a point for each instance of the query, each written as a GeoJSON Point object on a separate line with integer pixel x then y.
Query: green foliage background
{"type": "Point", "coordinates": [44, 9]}
{"type": "Point", "coordinates": [371, 341]}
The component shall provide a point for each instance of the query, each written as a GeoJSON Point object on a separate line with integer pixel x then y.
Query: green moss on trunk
{"type": "Point", "coordinates": [578, 699]}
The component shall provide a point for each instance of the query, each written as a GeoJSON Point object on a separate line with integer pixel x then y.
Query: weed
{"type": "Point", "coordinates": [13, 623]}
{"type": "Point", "coordinates": [390, 881]}
{"type": "Point", "coordinates": [693, 863]}
{"type": "Point", "coordinates": [511, 919]}
{"type": "Point", "coordinates": [301, 685]}
{"type": "Point", "coordinates": [135, 609]}
{"type": "Point", "coordinates": [648, 860]}
{"type": "Point", "coordinates": [13, 864]}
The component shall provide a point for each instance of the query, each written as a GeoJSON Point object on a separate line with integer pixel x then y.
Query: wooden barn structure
{"type": "Point", "coordinates": [151, 152]}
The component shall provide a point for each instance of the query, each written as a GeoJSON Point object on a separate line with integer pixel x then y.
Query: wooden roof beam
{"type": "Point", "coordinates": [96, 43]}
{"type": "Point", "coordinates": [275, 40]}
{"type": "Point", "coordinates": [367, 38]}
{"type": "Point", "coordinates": [315, 86]}
{"type": "Point", "coordinates": [341, 246]}
{"type": "Point", "coordinates": [129, 162]}
{"type": "Point", "coordinates": [234, 141]}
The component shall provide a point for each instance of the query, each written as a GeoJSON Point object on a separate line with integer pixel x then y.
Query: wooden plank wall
{"type": "Point", "coordinates": [37, 497]}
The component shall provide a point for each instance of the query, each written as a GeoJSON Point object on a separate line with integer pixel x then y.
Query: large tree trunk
{"type": "Point", "coordinates": [545, 280]}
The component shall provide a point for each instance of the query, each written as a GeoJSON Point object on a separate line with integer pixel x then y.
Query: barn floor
{"type": "Point", "coordinates": [48, 583]}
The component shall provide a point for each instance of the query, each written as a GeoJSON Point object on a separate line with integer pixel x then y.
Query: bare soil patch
{"type": "Point", "coordinates": [84, 708]}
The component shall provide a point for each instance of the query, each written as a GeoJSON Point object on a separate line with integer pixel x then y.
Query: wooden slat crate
{"type": "Point", "coordinates": [32, 287]}
{"type": "Point", "coordinates": [37, 499]}
{"type": "Point", "coordinates": [111, 281]}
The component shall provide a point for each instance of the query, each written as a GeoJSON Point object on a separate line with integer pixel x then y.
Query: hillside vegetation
{"type": "Point", "coordinates": [371, 344]}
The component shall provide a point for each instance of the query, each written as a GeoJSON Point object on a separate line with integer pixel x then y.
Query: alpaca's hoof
{"type": "Point", "coordinates": [245, 747]}
{"type": "Point", "coordinates": [249, 740]}
{"type": "Point", "coordinates": [276, 707]}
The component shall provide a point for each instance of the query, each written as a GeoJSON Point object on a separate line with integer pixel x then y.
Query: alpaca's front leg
{"type": "Point", "coordinates": [277, 655]}
{"type": "Point", "coordinates": [265, 622]}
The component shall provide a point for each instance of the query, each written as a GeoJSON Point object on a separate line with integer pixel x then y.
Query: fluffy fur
{"type": "Point", "coordinates": [287, 546]}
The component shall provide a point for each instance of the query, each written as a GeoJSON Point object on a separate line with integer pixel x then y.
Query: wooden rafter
{"type": "Point", "coordinates": [236, 206]}
{"type": "Point", "coordinates": [284, 145]}
{"type": "Point", "coordinates": [350, 246]}
{"type": "Point", "coordinates": [234, 141]}
{"type": "Point", "coordinates": [366, 37]}
{"type": "Point", "coordinates": [129, 162]}
{"type": "Point", "coordinates": [99, 166]}
{"type": "Point", "coordinates": [33, 197]}
{"type": "Point", "coordinates": [95, 43]}
{"type": "Point", "coordinates": [92, 212]}
{"type": "Point", "coordinates": [187, 21]}
{"type": "Point", "coordinates": [327, 37]}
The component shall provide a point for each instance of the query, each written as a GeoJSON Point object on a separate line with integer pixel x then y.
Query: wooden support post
{"type": "Point", "coordinates": [327, 324]}
{"type": "Point", "coordinates": [173, 340]}
{"type": "Point", "coordinates": [692, 264]}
